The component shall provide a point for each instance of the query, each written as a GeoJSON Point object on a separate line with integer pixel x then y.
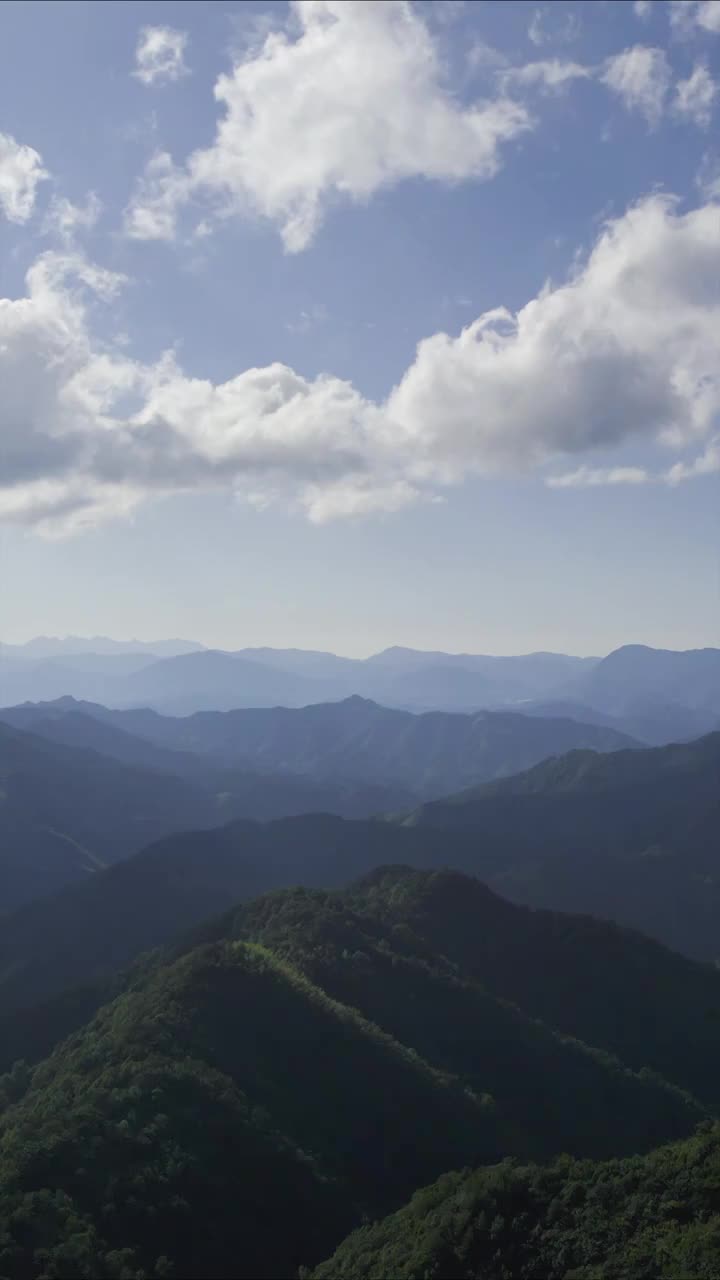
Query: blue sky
{"type": "Point", "coordinates": [342, 325]}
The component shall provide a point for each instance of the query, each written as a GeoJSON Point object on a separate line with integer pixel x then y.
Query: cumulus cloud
{"type": "Point", "coordinates": [625, 350]}
{"type": "Point", "coordinates": [21, 170]}
{"type": "Point", "coordinates": [641, 77]}
{"type": "Point", "coordinates": [642, 8]}
{"type": "Point", "coordinates": [551, 74]}
{"type": "Point", "coordinates": [694, 97]}
{"type": "Point", "coordinates": [348, 98]}
{"type": "Point", "coordinates": [160, 55]}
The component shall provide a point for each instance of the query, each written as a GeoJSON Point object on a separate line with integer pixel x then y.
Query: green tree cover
{"type": "Point", "coordinates": [297, 1067]}
{"type": "Point", "coordinates": [652, 1217]}
{"type": "Point", "coordinates": [553, 1093]}
{"type": "Point", "coordinates": [225, 1116]}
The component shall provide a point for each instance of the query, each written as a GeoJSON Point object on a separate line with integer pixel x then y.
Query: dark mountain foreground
{"type": "Point", "coordinates": [304, 1063]}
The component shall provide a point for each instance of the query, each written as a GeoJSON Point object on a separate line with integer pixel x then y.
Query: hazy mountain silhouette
{"type": "Point", "coordinates": [78, 794]}
{"type": "Point", "coordinates": [359, 740]}
{"type": "Point", "coordinates": [655, 695]}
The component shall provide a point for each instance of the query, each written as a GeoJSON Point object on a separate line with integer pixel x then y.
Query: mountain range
{"type": "Point", "coordinates": [356, 739]}
{"type": "Point", "coordinates": [656, 696]}
{"type": "Point", "coordinates": [481, 1040]}
{"type": "Point", "coordinates": [79, 795]}
{"type": "Point", "coordinates": [519, 835]}
{"type": "Point", "coordinates": [85, 786]}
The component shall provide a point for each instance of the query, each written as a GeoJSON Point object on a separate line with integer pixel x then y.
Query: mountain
{"type": "Point", "coordinates": [170, 1137]}
{"type": "Point", "coordinates": [358, 740]}
{"type": "Point", "coordinates": [293, 1069]}
{"type": "Point", "coordinates": [465, 681]}
{"type": "Point", "coordinates": [632, 836]}
{"type": "Point", "coordinates": [586, 978]}
{"type": "Point", "coordinates": [655, 724]}
{"type": "Point", "coordinates": [71, 723]}
{"type": "Point", "coordinates": [192, 682]}
{"type": "Point", "coordinates": [635, 675]}
{"type": "Point", "coordinates": [65, 813]}
{"type": "Point", "coordinates": [79, 794]}
{"type": "Point", "coordinates": [53, 647]}
{"type": "Point", "coordinates": [646, 1218]}
{"type": "Point", "coordinates": [181, 677]}
{"type": "Point", "coordinates": [652, 694]}
{"type": "Point", "coordinates": [91, 677]}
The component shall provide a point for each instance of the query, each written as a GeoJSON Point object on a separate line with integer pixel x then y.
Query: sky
{"type": "Point", "coordinates": [342, 324]}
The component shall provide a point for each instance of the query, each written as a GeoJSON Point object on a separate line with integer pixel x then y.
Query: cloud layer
{"type": "Point", "coordinates": [627, 349]}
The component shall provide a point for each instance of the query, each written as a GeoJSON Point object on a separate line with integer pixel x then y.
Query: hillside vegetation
{"type": "Point", "coordinates": [311, 1058]}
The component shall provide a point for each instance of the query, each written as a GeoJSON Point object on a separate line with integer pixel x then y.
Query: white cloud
{"type": "Point", "coordinates": [21, 170]}
{"type": "Point", "coordinates": [642, 8]}
{"type": "Point", "coordinates": [702, 14]}
{"type": "Point", "coordinates": [694, 97]}
{"type": "Point", "coordinates": [160, 55]}
{"type": "Point", "coordinates": [65, 219]}
{"type": "Point", "coordinates": [152, 213]}
{"type": "Point", "coordinates": [592, 477]}
{"type": "Point", "coordinates": [358, 497]}
{"type": "Point", "coordinates": [707, 15]}
{"type": "Point", "coordinates": [641, 77]}
{"type": "Point", "coordinates": [347, 99]}
{"type": "Point", "coordinates": [625, 350]}
{"type": "Point", "coordinates": [551, 74]}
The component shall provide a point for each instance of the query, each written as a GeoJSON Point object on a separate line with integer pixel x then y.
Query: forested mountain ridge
{"type": "Point", "coordinates": [79, 794]}
{"type": "Point", "coordinates": [355, 740]}
{"type": "Point", "coordinates": [310, 1057]}
{"type": "Point", "coordinates": [632, 836]}
{"type": "Point", "coordinates": [587, 979]}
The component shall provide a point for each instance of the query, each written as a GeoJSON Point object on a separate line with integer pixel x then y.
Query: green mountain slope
{"type": "Point", "coordinates": [225, 1114]}
{"type": "Point", "coordinates": [585, 978]}
{"type": "Point", "coordinates": [294, 1068]}
{"type": "Point", "coordinates": [633, 836]}
{"type": "Point", "coordinates": [648, 1218]}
